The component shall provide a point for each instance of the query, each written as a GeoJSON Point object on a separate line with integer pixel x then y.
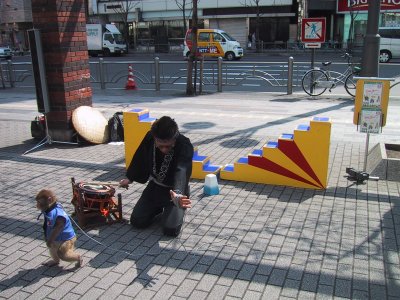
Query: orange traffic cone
{"type": "Point", "coordinates": [130, 84]}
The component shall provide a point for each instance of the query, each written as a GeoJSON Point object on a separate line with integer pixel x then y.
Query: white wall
{"type": "Point", "coordinates": [237, 28]}
{"type": "Point", "coordinates": [170, 5]}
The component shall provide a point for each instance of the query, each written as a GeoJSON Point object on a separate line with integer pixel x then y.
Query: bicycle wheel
{"type": "Point", "coordinates": [350, 84]}
{"type": "Point", "coordinates": [314, 82]}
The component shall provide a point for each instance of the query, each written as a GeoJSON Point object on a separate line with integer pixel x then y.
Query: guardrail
{"type": "Point", "coordinates": [156, 74]}
{"type": "Point", "coordinates": [175, 45]}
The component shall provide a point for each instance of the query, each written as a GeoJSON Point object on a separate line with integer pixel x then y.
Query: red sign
{"type": "Point", "coordinates": [346, 6]}
{"type": "Point", "coordinates": [313, 30]}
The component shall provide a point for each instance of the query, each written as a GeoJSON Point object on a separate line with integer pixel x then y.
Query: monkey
{"type": "Point", "coordinates": [59, 234]}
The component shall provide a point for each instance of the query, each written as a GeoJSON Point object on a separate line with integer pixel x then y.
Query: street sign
{"type": "Point", "coordinates": [312, 45]}
{"type": "Point", "coordinates": [313, 30]}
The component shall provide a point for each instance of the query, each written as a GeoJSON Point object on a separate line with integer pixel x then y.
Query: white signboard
{"type": "Point", "coordinates": [370, 120]}
{"type": "Point", "coordinates": [372, 94]}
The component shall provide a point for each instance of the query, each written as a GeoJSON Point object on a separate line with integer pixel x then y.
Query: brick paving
{"type": "Point", "coordinates": [251, 241]}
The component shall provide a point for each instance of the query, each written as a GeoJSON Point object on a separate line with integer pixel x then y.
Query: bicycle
{"type": "Point", "coordinates": [316, 81]}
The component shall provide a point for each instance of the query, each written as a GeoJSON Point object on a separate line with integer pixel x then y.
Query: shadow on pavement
{"type": "Point", "coordinates": [247, 132]}
{"type": "Point", "coordinates": [144, 246]}
{"type": "Point", "coordinates": [28, 277]}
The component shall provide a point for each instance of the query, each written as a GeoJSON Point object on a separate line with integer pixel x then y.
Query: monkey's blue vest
{"type": "Point", "coordinates": [50, 217]}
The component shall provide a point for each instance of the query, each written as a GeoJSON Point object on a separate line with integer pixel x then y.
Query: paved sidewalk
{"type": "Point", "coordinates": [251, 241]}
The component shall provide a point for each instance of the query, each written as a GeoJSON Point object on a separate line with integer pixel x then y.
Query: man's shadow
{"type": "Point", "coordinates": [156, 256]}
{"type": "Point", "coordinates": [145, 256]}
{"type": "Point", "coordinates": [27, 277]}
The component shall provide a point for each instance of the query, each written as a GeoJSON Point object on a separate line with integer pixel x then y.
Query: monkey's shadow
{"type": "Point", "coordinates": [27, 277]}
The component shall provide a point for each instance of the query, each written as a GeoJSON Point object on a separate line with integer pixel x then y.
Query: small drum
{"type": "Point", "coordinates": [91, 199]}
{"type": "Point", "coordinates": [95, 193]}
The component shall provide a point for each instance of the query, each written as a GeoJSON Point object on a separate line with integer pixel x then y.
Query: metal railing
{"type": "Point", "coordinates": [156, 74]}
{"type": "Point", "coordinates": [219, 74]}
{"type": "Point", "coordinates": [293, 46]}
{"type": "Point", "coordinates": [176, 45]}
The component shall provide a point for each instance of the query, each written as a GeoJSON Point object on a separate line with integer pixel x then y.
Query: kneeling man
{"type": "Point", "coordinates": [164, 159]}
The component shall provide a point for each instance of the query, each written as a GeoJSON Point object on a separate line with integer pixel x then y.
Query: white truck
{"type": "Point", "coordinates": [104, 39]}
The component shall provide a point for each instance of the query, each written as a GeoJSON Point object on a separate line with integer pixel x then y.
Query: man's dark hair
{"type": "Point", "coordinates": [165, 128]}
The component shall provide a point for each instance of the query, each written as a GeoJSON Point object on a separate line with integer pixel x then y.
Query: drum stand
{"type": "Point", "coordinates": [47, 139]}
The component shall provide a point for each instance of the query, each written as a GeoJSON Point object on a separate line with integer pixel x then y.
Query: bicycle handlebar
{"type": "Point", "coordinates": [348, 56]}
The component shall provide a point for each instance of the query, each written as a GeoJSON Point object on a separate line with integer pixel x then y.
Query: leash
{"type": "Point", "coordinates": [178, 239]}
{"type": "Point", "coordinates": [218, 243]}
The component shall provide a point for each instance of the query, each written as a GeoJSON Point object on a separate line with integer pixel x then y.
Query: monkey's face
{"type": "Point", "coordinates": [44, 199]}
{"type": "Point", "coordinates": [43, 203]}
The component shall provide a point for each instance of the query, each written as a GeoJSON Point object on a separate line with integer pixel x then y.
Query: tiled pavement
{"type": "Point", "coordinates": [251, 241]}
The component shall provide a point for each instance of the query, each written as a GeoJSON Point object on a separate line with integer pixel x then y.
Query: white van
{"type": "Point", "coordinates": [215, 43]}
{"type": "Point", "coordinates": [389, 43]}
{"type": "Point", "coordinates": [5, 52]}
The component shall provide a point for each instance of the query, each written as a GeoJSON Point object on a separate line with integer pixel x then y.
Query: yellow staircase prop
{"type": "Point", "coordinates": [137, 122]}
{"type": "Point", "coordinates": [299, 159]}
{"type": "Point", "coordinates": [201, 166]}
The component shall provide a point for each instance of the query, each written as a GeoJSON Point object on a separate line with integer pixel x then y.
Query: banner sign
{"type": "Point", "coordinates": [347, 6]}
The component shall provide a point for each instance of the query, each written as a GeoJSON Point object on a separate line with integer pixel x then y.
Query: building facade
{"type": "Point", "coordinates": [355, 16]}
{"type": "Point", "coordinates": [151, 22]}
{"type": "Point", "coordinates": [15, 20]}
{"type": "Point", "coordinates": [279, 20]}
{"type": "Point", "coordinates": [346, 20]}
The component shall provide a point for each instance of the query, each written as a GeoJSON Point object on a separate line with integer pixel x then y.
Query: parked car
{"type": "Point", "coordinates": [214, 43]}
{"type": "Point", "coordinates": [5, 52]}
{"type": "Point", "coordinates": [389, 43]}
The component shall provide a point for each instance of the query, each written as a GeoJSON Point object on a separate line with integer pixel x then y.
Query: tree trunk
{"type": "Point", "coordinates": [184, 16]}
{"type": "Point", "coordinates": [127, 37]}
{"type": "Point", "coordinates": [258, 22]}
{"type": "Point", "coordinates": [190, 91]}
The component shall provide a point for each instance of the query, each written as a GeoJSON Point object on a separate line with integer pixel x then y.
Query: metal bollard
{"type": "Point", "coordinates": [219, 79]}
{"type": "Point", "coordinates": [101, 70]}
{"type": "Point", "coordinates": [10, 73]}
{"type": "Point", "coordinates": [2, 76]}
{"type": "Point", "coordinates": [290, 76]}
{"type": "Point", "coordinates": [157, 72]}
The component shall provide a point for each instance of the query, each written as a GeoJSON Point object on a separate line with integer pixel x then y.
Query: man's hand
{"type": "Point", "coordinates": [124, 183]}
{"type": "Point", "coordinates": [181, 201]}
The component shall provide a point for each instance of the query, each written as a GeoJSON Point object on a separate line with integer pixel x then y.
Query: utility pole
{"type": "Point", "coordinates": [370, 58]}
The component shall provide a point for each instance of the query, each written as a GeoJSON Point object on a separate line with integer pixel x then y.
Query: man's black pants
{"type": "Point", "coordinates": [156, 199]}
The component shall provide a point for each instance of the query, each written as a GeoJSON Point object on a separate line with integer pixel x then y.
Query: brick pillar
{"type": "Point", "coordinates": [62, 24]}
